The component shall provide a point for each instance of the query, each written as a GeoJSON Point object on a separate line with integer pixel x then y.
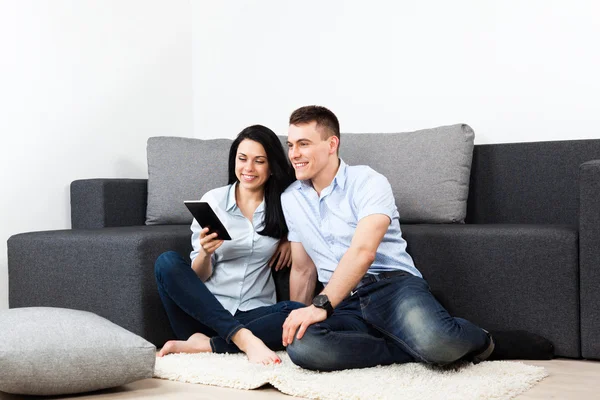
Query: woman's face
{"type": "Point", "coordinates": [251, 165]}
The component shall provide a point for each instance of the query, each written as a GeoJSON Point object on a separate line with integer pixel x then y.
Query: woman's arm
{"type": "Point", "coordinates": [202, 265]}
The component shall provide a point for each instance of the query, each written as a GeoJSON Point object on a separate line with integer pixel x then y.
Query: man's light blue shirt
{"type": "Point", "coordinates": [241, 278]}
{"type": "Point", "coordinates": [326, 224]}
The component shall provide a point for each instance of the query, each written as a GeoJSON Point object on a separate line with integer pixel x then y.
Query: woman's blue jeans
{"type": "Point", "coordinates": [393, 320]}
{"type": "Point", "coordinates": [192, 308]}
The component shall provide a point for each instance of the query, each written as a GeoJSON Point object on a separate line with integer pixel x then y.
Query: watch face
{"type": "Point", "coordinates": [320, 300]}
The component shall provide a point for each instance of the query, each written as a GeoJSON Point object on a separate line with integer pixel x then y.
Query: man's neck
{"type": "Point", "coordinates": [326, 176]}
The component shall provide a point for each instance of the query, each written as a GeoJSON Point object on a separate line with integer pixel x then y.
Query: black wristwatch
{"type": "Point", "coordinates": [322, 301]}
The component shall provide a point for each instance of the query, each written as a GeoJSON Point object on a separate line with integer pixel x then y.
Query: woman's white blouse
{"type": "Point", "coordinates": [241, 278]}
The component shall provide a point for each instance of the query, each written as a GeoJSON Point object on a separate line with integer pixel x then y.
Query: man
{"type": "Point", "coordinates": [375, 309]}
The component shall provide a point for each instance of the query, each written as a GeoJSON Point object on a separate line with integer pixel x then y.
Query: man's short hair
{"type": "Point", "coordinates": [325, 119]}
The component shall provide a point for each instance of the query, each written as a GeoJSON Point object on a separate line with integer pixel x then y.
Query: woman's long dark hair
{"type": "Point", "coordinates": [282, 175]}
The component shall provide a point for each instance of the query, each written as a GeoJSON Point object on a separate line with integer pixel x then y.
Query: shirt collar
{"type": "Point", "coordinates": [339, 178]}
{"type": "Point", "coordinates": [231, 204]}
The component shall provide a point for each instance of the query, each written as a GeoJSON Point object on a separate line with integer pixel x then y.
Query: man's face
{"type": "Point", "coordinates": [307, 150]}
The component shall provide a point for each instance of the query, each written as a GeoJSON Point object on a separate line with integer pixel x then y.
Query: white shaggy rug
{"type": "Point", "coordinates": [487, 380]}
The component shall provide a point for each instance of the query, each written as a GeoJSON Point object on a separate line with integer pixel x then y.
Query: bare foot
{"type": "Point", "coordinates": [254, 348]}
{"type": "Point", "coordinates": [197, 343]}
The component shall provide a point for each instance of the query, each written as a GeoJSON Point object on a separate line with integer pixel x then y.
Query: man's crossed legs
{"type": "Point", "coordinates": [392, 320]}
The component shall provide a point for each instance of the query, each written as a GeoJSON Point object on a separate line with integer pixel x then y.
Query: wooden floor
{"type": "Point", "coordinates": [569, 379]}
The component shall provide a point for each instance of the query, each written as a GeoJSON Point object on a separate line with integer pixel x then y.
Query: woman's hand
{"type": "Point", "coordinates": [209, 243]}
{"type": "Point", "coordinates": [284, 252]}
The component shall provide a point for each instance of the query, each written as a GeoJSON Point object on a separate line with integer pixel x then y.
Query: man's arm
{"type": "Point", "coordinates": [358, 258]}
{"type": "Point", "coordinates": [303, 276]}
{"type": "Point", "coordinates": [352, 267]}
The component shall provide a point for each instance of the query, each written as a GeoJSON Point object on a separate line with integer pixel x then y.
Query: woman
{"type": "Point", "coordinates": [226, 303]}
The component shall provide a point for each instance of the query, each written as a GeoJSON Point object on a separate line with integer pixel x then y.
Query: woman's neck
{"type": "Point", "coordinates": [248, 200]}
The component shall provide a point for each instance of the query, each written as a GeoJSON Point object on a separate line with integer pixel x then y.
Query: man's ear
{"type": "Point", "coordinates": [334, 143]}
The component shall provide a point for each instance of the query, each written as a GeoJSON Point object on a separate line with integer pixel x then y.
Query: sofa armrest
{"type": "Point", "coordinates": [589, 257]}
{"type": "Point", "coordinates": [107, 271]}
{"type": "Point", "coordinates": [101, 203]}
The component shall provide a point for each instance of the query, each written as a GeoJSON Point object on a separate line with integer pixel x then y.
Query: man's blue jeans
{"type": "Point", "coordinates": [192, 308]}
{"type": "Point", "coordinates": [393, 320]}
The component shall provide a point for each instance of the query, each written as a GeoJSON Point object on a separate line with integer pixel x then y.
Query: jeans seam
{"type": "Point", "coordinates": [233, 332]}
{"type": "Point", "coordinates": [352, 333]}
{"type": "Point", "coordinates": [403, 343]}
{"type": "Point", "coordinates": [362, 307]}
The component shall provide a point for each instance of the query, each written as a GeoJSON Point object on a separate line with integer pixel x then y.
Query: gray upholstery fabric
{"type": "Point", "coordinates": [107, 271]}
{"type": "Point", "coordinates": [182, 169]}
{"type": "Point", "coordinates": [589, 258]}
{"type": "Point", "coordinates": [528, 183]}
{"type": "Point", "coordinates": [50, 351]}
{"type": "Point", "coordinates": [428, 169]}
{"type": "Point", "coordinates": [499, 276]}
{"type": "Point", "coordinates": [101, 203]}
{"type": "Point", "coordinates": [504, 276]}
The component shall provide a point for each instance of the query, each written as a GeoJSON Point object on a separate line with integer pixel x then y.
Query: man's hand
{"type": "Point", "coordinates": [300, 320]}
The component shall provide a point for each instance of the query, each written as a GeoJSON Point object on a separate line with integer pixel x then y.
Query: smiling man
{"type": "Point", "coordinates": [376, 308]}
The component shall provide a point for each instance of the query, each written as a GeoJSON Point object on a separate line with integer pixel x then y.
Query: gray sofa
{"type": "Point", "coordinates": [527, 256]}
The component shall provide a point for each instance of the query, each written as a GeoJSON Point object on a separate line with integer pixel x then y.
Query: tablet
{"type": "Point", "coordinates": [207, 218]}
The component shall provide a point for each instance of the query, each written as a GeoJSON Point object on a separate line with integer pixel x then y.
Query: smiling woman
{"type": "Point", "coordinates": [251, 165]}
{"type": "Point", "coordinates": [224, 302]}
{"type": "Point", "coordinates": [261, 141]}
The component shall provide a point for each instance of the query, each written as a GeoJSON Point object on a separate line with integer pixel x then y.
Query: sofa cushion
{"type": "Point", "coordinates": [182, 169]}
{"type": "Point", "coordinates": [51, 351]}
{"type": "Point", "coordinates": [428, 169]}
{"type": "Point", "coordinates": [504, 276]}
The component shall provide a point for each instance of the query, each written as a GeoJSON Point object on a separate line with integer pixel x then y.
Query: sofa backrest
{"type": "Point", "coordinates": [509, 183]}
{"type": "Point", "coordinates": [182, 169]}
{"type": "Point", "coordinates": [427, 169]}
{"type": "Point", "coordinates": [528, 183]}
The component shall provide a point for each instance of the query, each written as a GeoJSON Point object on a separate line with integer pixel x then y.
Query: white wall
{"type": "Point", "coordinates": [514, 70]}
{"type": "Point", "coordinates": [83, 84]}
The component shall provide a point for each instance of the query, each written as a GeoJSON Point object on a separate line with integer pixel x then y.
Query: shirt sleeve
{"type": "Point", "coordinates": [293, 235]}
{"type": "Point", "coordinates": [195, 239]}
{"type": "Point", "coordinates": [375, 196]}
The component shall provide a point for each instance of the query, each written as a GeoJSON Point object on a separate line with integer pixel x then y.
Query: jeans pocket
{"type": "Point", "coordinates": [364, 301]}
